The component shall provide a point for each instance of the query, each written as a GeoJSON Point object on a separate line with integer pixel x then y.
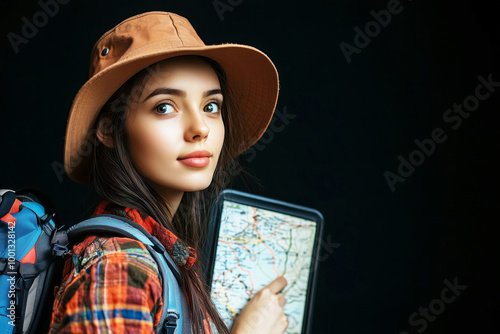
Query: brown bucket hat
{"type": "Point", "coordinates": [145, 39]}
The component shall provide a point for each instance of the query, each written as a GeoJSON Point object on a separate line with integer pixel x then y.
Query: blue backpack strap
{"type": "Point", "coordinates": [175, 303]}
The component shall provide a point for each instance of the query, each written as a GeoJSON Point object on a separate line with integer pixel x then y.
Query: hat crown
{"type": "Point", "coordinates": [139, 32]}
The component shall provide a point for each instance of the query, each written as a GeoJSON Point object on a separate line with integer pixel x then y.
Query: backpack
{"type": "Point", "coordinates": [33, 251]}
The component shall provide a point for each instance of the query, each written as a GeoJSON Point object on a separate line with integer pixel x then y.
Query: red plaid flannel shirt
{"type": "Point", "coordinates": [112, 284]}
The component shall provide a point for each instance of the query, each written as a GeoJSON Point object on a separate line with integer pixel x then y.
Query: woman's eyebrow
{"type": "Point", "coordinates": [181, 93]}
{"type": "Point", "coordinates": [166, 91]}
{"type": "Point", "coordinates": [212, 92]}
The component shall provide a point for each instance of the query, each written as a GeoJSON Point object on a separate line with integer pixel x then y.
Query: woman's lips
{"type": "Point", "coordinates": [195, 162]}
{"type": "Point", "coordinates": [196, 159]}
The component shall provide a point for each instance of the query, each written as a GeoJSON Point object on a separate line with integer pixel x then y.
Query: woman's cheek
{"type": "Point", "coordinates": [150, 142]}
{"type": "Point", "coordinates": [219, 135]}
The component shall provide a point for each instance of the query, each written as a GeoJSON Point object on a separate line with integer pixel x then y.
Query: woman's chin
{"type": "Point", "coordinates": [194, 185]}
{"type": "Point", "coordinates": [197, 187]}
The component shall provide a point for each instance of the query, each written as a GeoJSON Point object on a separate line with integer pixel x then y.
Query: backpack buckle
{"type": "Point", "coordinates": [59, 250]}
{"type": "Point", "coordinates": [170, 324]}
{"type": "Point", "coordinates": [59, 242]}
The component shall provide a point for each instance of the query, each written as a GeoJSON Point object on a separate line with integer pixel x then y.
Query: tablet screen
{"type": "Point", "coordinates": [254, 247]}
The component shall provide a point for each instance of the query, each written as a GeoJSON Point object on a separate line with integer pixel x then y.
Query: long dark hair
{"type": "Point", "coordinates": [115, 179]}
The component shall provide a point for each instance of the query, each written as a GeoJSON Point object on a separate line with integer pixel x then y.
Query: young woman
{"type": "Point", "coordinates": [155, 131]}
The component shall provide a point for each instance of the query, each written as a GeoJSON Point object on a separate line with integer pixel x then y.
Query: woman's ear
{"type": "Point", "coordinates": [105, 132]}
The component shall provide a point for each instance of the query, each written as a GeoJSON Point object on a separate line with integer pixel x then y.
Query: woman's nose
{"type": "Point", "coordinates": [196, 127]}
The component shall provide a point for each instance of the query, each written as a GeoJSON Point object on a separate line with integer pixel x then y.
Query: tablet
{"type": "Point", "coordinates": [251, 241]}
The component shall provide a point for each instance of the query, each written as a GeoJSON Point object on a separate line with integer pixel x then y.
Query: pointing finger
{"type": "Point", "coordinates": [277, 285]}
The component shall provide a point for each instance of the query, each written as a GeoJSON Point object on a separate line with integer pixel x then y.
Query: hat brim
{"type": "Point", "coordinates": [250, 73]}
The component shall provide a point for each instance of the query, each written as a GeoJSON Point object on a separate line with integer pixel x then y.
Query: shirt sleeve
{"type": "Point", "coordinates": [113, 288]}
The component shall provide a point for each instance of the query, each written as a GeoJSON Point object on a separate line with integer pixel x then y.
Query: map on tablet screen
{"type": "Point", "coordinates": [254, 247]}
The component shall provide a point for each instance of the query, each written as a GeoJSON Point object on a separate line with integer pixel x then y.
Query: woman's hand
{"type": "Point", "coordinates": [264, 312]}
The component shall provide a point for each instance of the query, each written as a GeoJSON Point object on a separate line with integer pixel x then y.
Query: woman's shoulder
{"type": "Point", "coordinates": [113, 274]}
{"type": "Point", "coordinates": [94, 249]}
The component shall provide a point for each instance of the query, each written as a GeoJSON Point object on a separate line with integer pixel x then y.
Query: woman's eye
{"type": "Point", "coordinates": [164, 108]}
{"type": "Point", "coordinates": [212, 107]}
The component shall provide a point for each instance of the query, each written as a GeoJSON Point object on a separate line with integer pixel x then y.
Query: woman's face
{"type": "Point", "coordinates": [176, 130]}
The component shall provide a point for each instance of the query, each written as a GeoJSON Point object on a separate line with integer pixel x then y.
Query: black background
{"type": "Point", "coordinates": [385, 253]}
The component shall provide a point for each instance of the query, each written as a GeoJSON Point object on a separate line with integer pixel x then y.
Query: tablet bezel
{"type": "Point", "coordinates": [271, 205]}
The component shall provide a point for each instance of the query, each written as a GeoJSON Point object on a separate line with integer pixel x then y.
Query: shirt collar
{"type": "Point", "coordinates": [182, 254]}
